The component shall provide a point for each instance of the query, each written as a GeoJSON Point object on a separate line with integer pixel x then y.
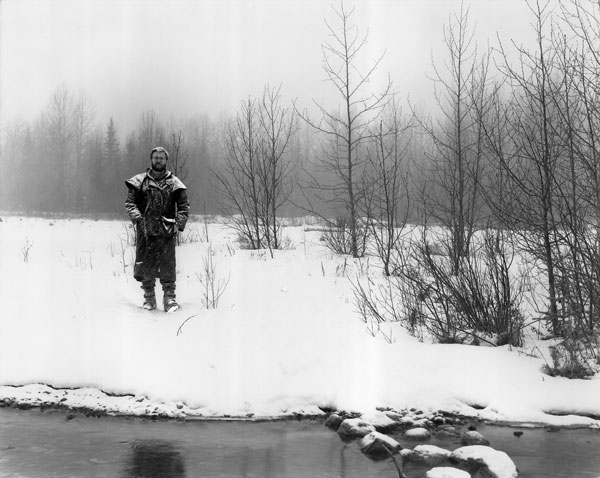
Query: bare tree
{"type": "Point", "coordinates": [389, 201]}
{"type": "Point", "coordinates": [254, 180]}
{"type": "Point", "coordinates": [533, 155]}
{"type": "Point", "coordinates": [237, 179]}
{"type": "Point", "coordinates": [343, 163]}
{"type": "Point", "coordinates": [58, 121]}
{"type": "Point", "coordinates": [454, 171]}
{"type": "Point", "coordinates": [203, 145]}
{"type": "Point", "coordinates": [579, 102]}
{"type": "Point", "coordinates": [147, 136]}
{"type": "Point", "coordinates": [577, 183]}
{"type": "Point", "coordinates": [278, 125]}
{"type": "Point", "coordinates": [178, 154]}
{"type": "Point", "coordinates": [83, 116]}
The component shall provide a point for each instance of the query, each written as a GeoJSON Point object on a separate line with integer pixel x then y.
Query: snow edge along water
{"type": "Point", "coordinates": [91, 401]}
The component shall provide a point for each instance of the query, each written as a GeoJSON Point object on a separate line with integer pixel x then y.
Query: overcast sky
{"type": "Point", "coordinates": [182, 57]}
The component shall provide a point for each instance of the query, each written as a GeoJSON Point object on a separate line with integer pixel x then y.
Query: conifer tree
{"type": "Point", "coordinates": [113, 165]}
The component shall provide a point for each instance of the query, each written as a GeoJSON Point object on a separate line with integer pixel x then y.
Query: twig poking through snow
{"type": "Point", "coordinates": [184, 322]}
{"type": "Point", "coordinates": [25, 250]}
{"type": "Point", "coordinates": [212, 288]}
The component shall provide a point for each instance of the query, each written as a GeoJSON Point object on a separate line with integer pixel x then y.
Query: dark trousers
{"type": "Point", "coordinates": [155, 259]}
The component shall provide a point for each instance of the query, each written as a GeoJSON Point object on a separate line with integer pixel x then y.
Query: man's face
{"type": "Point", "coordinates": [159, 161]}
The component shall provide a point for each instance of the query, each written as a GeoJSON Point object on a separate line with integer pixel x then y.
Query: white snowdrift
{"type": "Point", "coordinates": [284, 339]}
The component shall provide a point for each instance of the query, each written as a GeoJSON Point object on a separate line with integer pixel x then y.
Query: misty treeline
{"type": "Point", "coordinates": [505, 165]}
{"type": "Point", "coordinates": [67, 161]}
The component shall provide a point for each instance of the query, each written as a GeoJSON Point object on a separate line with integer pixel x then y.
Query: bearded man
{"type": "Point", "coordinates": [158, 205]}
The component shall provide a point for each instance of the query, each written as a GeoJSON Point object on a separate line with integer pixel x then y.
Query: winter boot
{"type": "Point", "coordinates": [149, 302]}
{"type": "Point", "coordinates": [149, 296]}
{"type": "Point", "coordinates": [169, 302]}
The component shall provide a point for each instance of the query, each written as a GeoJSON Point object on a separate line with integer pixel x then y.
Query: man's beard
{"type": "Point", "coordinates": [155, 167]}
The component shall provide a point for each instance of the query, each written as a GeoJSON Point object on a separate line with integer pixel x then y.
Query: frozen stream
{"type": "Point", "coordinates": [36, 444]}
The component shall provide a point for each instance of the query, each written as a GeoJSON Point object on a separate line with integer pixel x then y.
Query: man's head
{"type": "Point", "coordinates": [158, 159]}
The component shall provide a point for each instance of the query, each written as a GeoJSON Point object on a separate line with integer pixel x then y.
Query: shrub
{"type": "Point", "coordinates": [212, 287]}
{"type": "Point", "coordinates": [567, 362]}
{"type": "Point", "coordinates": [338, 239]}
{"type": "Point", "coordinates": [189, 235]}
{"type": "Point", "coordinates": [478, 301]}
{"type": "Point", "coordinates": [574, 356]}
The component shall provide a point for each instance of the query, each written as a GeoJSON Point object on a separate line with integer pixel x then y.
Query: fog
{"type": "Point", "coordinates": [185, 57]}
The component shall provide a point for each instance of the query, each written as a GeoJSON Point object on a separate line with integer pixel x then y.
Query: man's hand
{"type": "Point", "coordinates": [170, 226]}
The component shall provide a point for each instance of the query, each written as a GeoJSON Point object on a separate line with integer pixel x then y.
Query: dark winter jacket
{"type": "Point", "coordinates": [160, 206]}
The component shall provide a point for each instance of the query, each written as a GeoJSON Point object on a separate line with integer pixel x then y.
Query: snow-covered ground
{"type": "Point", "coordinates": [284, 339]}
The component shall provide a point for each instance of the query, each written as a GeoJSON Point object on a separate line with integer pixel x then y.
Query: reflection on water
{"type": "Point", "coordinates": [154, 459]}
{"type": "Point", "coordinates": [544, 453]}
{"type": "Point", "coordinates": [41, 445]}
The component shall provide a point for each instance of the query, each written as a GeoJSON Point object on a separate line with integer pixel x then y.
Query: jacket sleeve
{"type": "Point", "coordinates": [130, 204]}
{"type": "Point", "coordinates": [183, 208]}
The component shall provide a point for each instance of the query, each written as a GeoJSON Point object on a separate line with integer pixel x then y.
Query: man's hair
{"type": "Point", "coordinates": [159, 149]}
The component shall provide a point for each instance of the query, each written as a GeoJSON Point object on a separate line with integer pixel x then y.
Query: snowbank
{"type": "Point", "coordinates": [284, 339]}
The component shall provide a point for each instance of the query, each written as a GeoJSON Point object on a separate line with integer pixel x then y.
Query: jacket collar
{"type": "Point", "coordinates": [167, 175]}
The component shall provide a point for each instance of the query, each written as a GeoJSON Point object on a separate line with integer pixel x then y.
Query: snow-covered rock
{"type": "Point", "coordinates": [417, 434]}
{"type": "Point", "coordinates": [446, 472]}
{"type": "Point", "coordinates": [438, 420]}
{"type": "Point", "coordinates": [485, 462]}
{"type": "Point", "coordinates": [422, 423]}
{"type": "Point", "coordinates": [406, 455]}
{"type": "Point", "coordinates": [380, 421]}
{"type": "Point", "coordinates": [378, 446]}
{"type": "Point", "coordinates": [393, 415]}
{"type": "Point", "coordinates": [355, 428]}
{"type": "Point", "coordinates": [431, 455]}
{"type": "Point", "coordinates": [333, 421]}
{"type": "Point", "coordinates": [473, 438]}
{"type": "Point", "coordinates": [407, 421]}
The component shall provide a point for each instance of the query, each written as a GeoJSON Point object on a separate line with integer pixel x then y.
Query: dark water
{"type": "Point", "coordinates": [36, 444]}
